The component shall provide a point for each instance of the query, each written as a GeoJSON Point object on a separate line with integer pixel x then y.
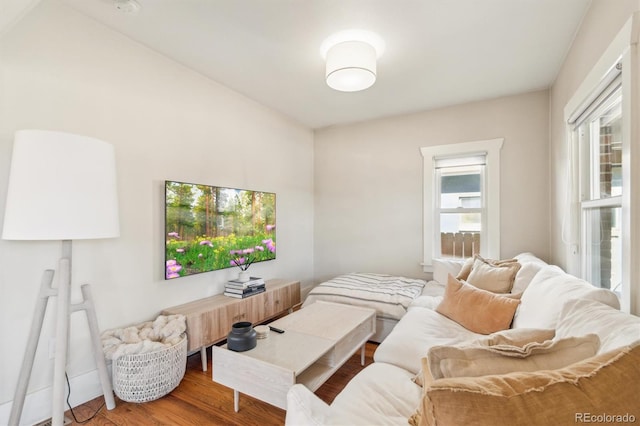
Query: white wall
{"type": "Point", "coordinates": [368, 183]}
{"type": "Point", "coordinates": [62, 71]}
{"type": "Point", "coordinates": [599, 27]}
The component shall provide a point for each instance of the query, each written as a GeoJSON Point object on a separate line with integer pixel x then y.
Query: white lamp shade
{"type": "Point", "coordinates": [61, 187]}
{"type": "Point", "coordinates": [351, 66]}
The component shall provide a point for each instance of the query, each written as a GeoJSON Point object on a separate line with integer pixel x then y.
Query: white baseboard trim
{"type": "Point", "coordinates": [37, 405]}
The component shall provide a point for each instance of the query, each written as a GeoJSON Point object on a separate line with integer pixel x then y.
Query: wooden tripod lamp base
{"type": "Point", "coordinates": [64, 311]}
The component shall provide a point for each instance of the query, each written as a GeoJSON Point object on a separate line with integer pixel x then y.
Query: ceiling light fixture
{"type": "Point", "coordinates": [127, 6]}
{"type": "Point", "coordinates": [351, 59]}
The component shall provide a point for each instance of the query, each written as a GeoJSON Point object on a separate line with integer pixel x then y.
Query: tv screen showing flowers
{"type": "Point", "coordinates": [211, 227]}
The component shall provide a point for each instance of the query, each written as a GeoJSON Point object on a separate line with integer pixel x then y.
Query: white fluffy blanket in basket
{"type": "Point", "coordinates": [165, 331]}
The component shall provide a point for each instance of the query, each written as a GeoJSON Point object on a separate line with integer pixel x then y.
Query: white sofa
{"type": "Point", "coordinates": [384, 393]}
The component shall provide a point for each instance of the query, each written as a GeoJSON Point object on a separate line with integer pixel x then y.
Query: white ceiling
{"type": "Point", "coordinates": [438, 52]}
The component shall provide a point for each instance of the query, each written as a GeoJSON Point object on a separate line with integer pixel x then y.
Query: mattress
{"type": "Point", "coordinates": [389, 295]}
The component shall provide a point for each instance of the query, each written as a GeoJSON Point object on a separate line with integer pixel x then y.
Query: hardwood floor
{"type": "Point", "coordinates": [200, 401]}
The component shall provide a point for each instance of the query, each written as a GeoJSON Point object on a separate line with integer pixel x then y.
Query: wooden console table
{"type": "Point", "coordinates": [209, 320]}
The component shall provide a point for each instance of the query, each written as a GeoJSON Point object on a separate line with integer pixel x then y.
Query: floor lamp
{"type": "Point", "coordinates": [61, 187]}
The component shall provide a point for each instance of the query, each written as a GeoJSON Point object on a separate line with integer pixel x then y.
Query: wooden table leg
{"type": "Point", "coordinates": [203, 357]}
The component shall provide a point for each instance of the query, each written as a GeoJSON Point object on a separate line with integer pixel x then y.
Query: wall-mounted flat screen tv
{"type": "Point", "coordinates": [212, 227]}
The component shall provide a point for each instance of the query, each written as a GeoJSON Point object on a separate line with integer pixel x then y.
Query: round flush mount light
{"type": "Point", "coordinates": [351, 58]}
{"type": "Point", "coordinates": [127, 6]}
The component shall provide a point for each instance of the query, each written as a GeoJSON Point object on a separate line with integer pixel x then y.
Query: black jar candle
{"type": "Point", "coordinates": [242, 337]}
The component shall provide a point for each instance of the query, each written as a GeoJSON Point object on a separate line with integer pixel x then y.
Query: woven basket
{"type": "Point", "coordinates": [148, 376]}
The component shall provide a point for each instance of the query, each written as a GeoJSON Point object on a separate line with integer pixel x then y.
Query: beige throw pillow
{"type": "Point", "coordinates": [496, 276]}
{"type": "Point", "coordinates": [480, 359]}
{"type": "Point", "coordinates": [475, 309]}
{"type": "Point", "coordinates": [603, 385]}
{"type": "Point", "coordinates": [466, 269]}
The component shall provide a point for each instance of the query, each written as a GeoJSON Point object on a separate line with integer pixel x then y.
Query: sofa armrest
{"type": "Point", "coordinates": [304, 407]}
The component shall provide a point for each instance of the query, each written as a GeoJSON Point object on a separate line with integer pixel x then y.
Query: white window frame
{"type": "Point", "coordinates": [589, 165]}
{"type": "Point", "coordinates": [456, 162]}
{"type": "Point", "coordinates": [491, 235]}
{"type": "Point", "coordinates": [623, 51]}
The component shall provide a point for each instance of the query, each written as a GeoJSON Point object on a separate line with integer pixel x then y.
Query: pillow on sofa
{"type": "Point", "coordinates": [466, 269]}
{"type": "Point", "coordinates": [531, 265]}
{"type": "Point", "coordinates": [496, 276]}
{"type": "Point", "coordinates": [549, 290]}
{"type": "Point", "coordinates": [478, 360]}
{"type": "Point", "coordinates": [443, 267]}
{"type": "Point", "coordinates": [475, 309]}
{"type": "Point", "coordinates": [562, 396]}
{"type": "Point", "coordinates": [615, 328]}
{"type": "Point", "coordinates": [468, 265]}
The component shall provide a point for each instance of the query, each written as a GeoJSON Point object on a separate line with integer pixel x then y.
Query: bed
{"type": "Point", "coordinates": [389, 295]}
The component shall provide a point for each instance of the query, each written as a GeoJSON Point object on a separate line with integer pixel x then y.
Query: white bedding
{"type": "Point", "coordinates": [389, 295]}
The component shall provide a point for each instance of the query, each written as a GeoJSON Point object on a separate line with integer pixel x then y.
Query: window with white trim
{"type": "Point", "coordinates": [459, 205]}
{"type": "Point", "coordinates": [598, 132]}
{"type": "Point", "coordinates": [601, 225]}
{"type": "Point", "coordinates": [461, 200]}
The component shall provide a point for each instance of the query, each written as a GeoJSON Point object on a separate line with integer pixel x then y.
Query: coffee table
{"type": "Point", "coordinates": [317, 341]}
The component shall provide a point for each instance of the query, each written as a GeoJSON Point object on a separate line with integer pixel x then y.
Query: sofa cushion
{"type": "Point", "coordinates": [415, 333]}
{"type": "Point", "coordinates": [531, 265]}
{"type": "Point", "coordinates": [475, 309]}
{"type": "Point", "coordinates": [379, 393]}
{"type": "Point", "coordinates": [305, 408]}
{"type": "Point", "coordinates": [615, 328]}
{"type": "Point", "coordinates": [549, 290]}
{"type": "Point", "coordinates": [491, 275]}
{"type": "Point", "coordinates": [477, 359]}
{"type": "Point", "coordinates": [430, 302]}
{"type": "Point", "coordinates": [442, 267]}
{"type": "Point", "coordinates": [603, 385]}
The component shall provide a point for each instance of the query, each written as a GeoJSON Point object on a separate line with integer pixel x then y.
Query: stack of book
{"type": "Point", "coordinates": [240, 290]}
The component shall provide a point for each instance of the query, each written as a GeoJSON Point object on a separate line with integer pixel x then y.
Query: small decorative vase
{"type": "Point", "coordinates": [244, 276]}
{"type": "Point", "coordinates": [242, 337]}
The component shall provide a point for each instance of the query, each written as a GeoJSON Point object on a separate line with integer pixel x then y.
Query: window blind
{"type": "Point", "coordinates": [611, 82]}
{"type": "Point", "coordinates": [479, 159]}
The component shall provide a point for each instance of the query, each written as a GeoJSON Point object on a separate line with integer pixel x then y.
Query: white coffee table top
{"type": "Point", "coordinates": [324, 319]}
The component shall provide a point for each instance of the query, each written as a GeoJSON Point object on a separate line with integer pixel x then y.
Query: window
{"type": "Point", "coordinates": [599, 135]}
{"type": "Point", "coordinates": [601, 227]}
{"type": "Point", "coordinates": [459, 205]}
{"type": "Point", "coordinates": [461, 200]}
